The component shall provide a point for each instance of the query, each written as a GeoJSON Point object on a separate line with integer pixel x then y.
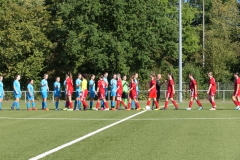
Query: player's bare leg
{"type": "Point", "coordinates": [213, 103]}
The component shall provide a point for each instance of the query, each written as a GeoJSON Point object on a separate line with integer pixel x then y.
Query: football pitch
{"type": "Point", "coordinates": [165, 134]}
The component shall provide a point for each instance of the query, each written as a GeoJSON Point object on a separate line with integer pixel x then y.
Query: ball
{"type": "Point", "coordinates": [148, 108]}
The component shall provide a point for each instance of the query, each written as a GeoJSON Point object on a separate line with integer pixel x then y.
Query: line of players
{"type": "Point", "coordinates": [119, 92]}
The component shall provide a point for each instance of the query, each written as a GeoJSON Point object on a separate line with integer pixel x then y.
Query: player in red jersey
{"type": "Point", "coordinates": [152, 92]}
{"type": "Point", "coordinates": [69, 90]}
{"type": "Point", "coordinates": [211, 91]}
{"type": "Point", "coordinates": [101, 93]}
{"type": "Point", "coordinates": [133, 94]}
{"type": "Point", "coordinates": [193, 92]}
{"type": "Point", "coordinates": [119, 92]}
{"type": "Point", "coordinates": [170, 92]}
{"type": "Point", "coordinates": [236, 93]}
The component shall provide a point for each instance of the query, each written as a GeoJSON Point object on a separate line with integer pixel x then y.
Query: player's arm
{"type": "Point", "coordinates": [42, 84]}
{"type": "Point", "coordinates": [130, 89]}
{"type": "Point", "coordinates": [210, 86]}
{"type": "Point", "coordinates": [29, 92]}
{"type": "Point", "coordinates": [151, 88]}
{"type": "Point", "coordinates": [173, 89]}
{"type": "Point", "coordinates": [237, 89]}
{"type": "Point", "coordinates": [195, 88]}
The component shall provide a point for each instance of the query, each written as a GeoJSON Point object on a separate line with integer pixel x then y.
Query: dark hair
{"type": "Point", "coordinates": [30, 80]}
{"type": "Point", "coordinates": [16, 76]}
{"type": "Point", "coordinates": [101, 76]}
{"type": "Point", "coordinates": [84, 75]}
{"type": "Point", "coordinates": [69, 74]}
{"type": "Point", "coordinates": [171, 75]}
{"type": "Point", "coordinates": [153, 75]}
{"type": "Point", "coordinates": [191, 75]}
{"type": "Point", "coordinates": [236, 73]}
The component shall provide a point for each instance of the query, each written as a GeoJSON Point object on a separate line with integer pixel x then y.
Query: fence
{"type": "Point", "coordinates": [222, 95]}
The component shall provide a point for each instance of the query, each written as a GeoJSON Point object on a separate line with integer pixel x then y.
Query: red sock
{"type": "Point", "coordinates": [129, 105]}
{"type": "Point", "coordinates": [124, 105]}
{"type": "Point", "coordinates": [97, 105]}
{"type": "Point", "coordinates": [137, 104]}
{"type": "Point", "coordinates": [190, 104]}
{"type": "Point", "coordinates": [156, 103]}
{"type": "Point", "coordinates": [199, 103]}
{"type": "Point", "coordinates": [148, 103]}
{"type": "Point", "coordinates": [84, 104]}
{"type": "Point", "coordinates": [236, 102]}
{"type": "Point", "coordinates": [175, 104]}
{"type": "Point", "coordinates": [71, 106]}
{"type": "Point", "coordinates": [213, 104]}
{"type": "Point", "coordinates": [166, 104]}
{"type": "Point", "coordinates": [118, 103]}
{"type": "Point", "coordinates": [106, 104]}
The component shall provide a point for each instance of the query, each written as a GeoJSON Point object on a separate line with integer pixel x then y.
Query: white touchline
{"type": "Point", "coordinates": [83, 137]}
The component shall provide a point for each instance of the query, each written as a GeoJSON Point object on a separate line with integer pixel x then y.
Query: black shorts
{"type": "Point", "coordinates": [158, 94]}
{"type": "Point", "coordinates": [125, 95]}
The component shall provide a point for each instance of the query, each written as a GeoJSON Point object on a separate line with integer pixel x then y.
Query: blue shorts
{"type": "Point", "coordinates": [106, 92]}
{"type": "Point", "coordinates": [44, 94]}
{"type": "Point", "coordinates": [57, 94]}
{"type": "Point", "coordinates": [30, 98]}
{"type": "Point", "coordinates": [78, 94]}
{"type": "Point", "coordinates": [2, 96]}
{"type": "Point", "coordinates": [92, 94]}
{"type": "Point", "coordinates": [113, 94]}
{"type": "Point", "coordinates": [17, 95]}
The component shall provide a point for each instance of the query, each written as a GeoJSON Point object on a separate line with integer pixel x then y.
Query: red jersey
{"type": "Point", "coordinates": [119, 86]}
{"type": "Point", "coordinates": [69, 83]}
{"type": "Point", "coordinates": [170, 84]}
{"type": "Point", "coordinates": [102, 85]}
{"type": "Point", "coordinates": [153, 83]}
{"type": "Point", "coordinates": [213, 88]}
{"type": "Point", "coordinates": [237, 81]}
{"type": "Point", "coordinates": [192, 84]}
{"type": "Point", "coordinates": [133, 85]}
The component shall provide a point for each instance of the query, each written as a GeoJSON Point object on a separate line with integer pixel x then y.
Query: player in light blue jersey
{"type": "Point", "coordinates": [17, 92]}
{"type": "Point", "coordinates": [92, 90]}
{"type": "Point", "coordinates": [44, 92]}
{"type": "Point", "coordinates": [57, 92]}
{"type": "Point", "coordinates": [113, 86]}
{"type": "Point", "coordinates": [78, 92]}
{"type": "Point", "coordinates": [1, 92]}
{"type": "Point", "coordinates": [30, 95]}
{"type": "Point", "coordinates": [137, 82]}
{"type": "Point", "coordinates": [106, 89]}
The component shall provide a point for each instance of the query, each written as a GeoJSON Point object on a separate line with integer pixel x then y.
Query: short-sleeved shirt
{"type": "Point", "coordinates": [136, 81]}
{"type": "Point", "coordinates": [158, 85]}
{"type": "Point", "coordinates": [125, 85]}
{"type": "Point", "coordinates": [134, 88]}
{"type": "Point", "coordinates": [170, 84]}
{"type": "Point", "coordinates": [45, 87]}
{"type": "Point", "coordinates": [78, 85]}
{"type": "Point", "coordinates": [30, 89]}
{"type": "Point", "coordinates": [153, 84]}
{"type": "Point", "coordinates": [57, 87]}
{"type": "Point", "coordinates": [106, 81]}
{"type": "Point", "coordinates": [236, 82]}
{"type": "Point", "coordinates": [16, 84]}
{"type": "Point", "coordinates": [1, 88]}
{"type": "Point", "coordinates": [69, 83]}
{"type": "Point", "coordinates": [84, 84]}
{"type": "Point", "coordinates": [192, 84]}
{"type": "Point", "coordinates": [119, 86]}
{"type": "Point", "coordinates": [91, 86]}
{"type": "Point", "coordinates": [101, 86]}
{"type": "Point", "coordinates": [212, 81]}
{"type": "Point", "coordinates": [113, 83]}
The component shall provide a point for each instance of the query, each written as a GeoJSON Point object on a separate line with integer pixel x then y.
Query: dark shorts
{"type": "Point", "coordinates": [158, 94]}
{"type": "Point", "coordinates": [125, 95]}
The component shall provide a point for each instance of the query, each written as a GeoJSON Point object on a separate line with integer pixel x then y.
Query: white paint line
{"type": "Point", "coordinates": [83, 137]}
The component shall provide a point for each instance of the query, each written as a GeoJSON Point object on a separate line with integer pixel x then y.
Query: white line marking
{"type": "Point", "coordinates": [83, 137]}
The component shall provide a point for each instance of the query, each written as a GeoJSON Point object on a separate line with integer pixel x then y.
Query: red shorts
{"type": "Point", "coordinates": [84, 94]}
{"type": "Point", "coordinates": [133, 96]}
{"type": "Point", "coordinates": [119, 94]}
{"type": "Point", "coordinates": [236, 94]}
{"type": "Point", "coordinates": [69, 92]}
{"type": "Point", "coordinates": [211, 93]}
{"type": "Point", "coordinates": [101, 95]}
{"type": "Point", "coordinates": [152, 95]}
{"type": "Point", "coordinates": [193, 94]}
{"type": "Point", "coordinates": [169, 95]}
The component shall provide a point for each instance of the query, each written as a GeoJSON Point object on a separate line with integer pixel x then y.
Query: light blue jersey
{"type": "Point", "coordinates": [91, 86]}
{"type": "Point", "coordinates": [17, 91]}
{"type": "Point", "coordinates": [78, 85]}
{"type": "Point", "coordinates": [1, 89]}
{"type": "Point", "coordinates": [30, 93]}
{"type": "Point", "coordinates": [136, 81]}
{"type": "Point", "coordinates": [44, 85]}
{"type": "Point", "coordinates": [57, 89]}
{"type": "Point", "coordinates": [113, 83]}
{"type": "Point", "coordinates": [106, 80]}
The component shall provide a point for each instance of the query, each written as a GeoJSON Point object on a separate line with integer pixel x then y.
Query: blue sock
{"type": "Point", "coordinates": [56, 105]}
{"type": "Point", "coordinates": [79, 104]}
{"type": "Point", "coordinates": [75, 104]}
{"type": "Point", "coordinates": [0, 105]}
{"type": "Point", "coordinates": [44, 105]}
{"type": "Point", "coordinates": [33, 105]}
{"type": "Point", "coordinates": [17, 105]}
{"type": "Point", "coordinates": [14, 104]}
{"type": "Point", "coordinates": [91, 104]}
{"type": "Point", "coordinates": [112, 104]}
{"type": "Point", "coordinates": [28, 105]}
{"type": "Point", "coordinates": [102, 104]}
{"type": "Point", "coordinates": [133, 105]}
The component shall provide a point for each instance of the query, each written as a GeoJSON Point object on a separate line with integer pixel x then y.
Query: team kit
{"type": "Point", "coordinates": [122, 92]}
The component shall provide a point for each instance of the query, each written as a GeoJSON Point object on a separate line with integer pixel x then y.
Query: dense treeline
{"type": "Point", "coordinates": [126, 36]}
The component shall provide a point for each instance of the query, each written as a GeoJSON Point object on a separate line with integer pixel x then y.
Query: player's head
{"type": "Point", "coordinates": [170, 76]}
{"type": "Point", "coordinates": [236, 75]}
{"type": "Point", "coordinates": [92, 77]}
{"type": "Point", "coordinates": [79, 75]}
{"type": "Point", "coordinates": [45, 76]}
{"type": "Point", "coordinates": [159, 76]}
{"type": "Point", "coordinates": [30, 81]}
{"type": "Point", "coordinates": [69, 75]}
{"type": "Point", "coordinates": [1, 78]}
{"type": "Point", "coordinates": [58, 79]}
{"type": "Point", "coordinates": [114, 76]}
{"type": "Point", "coordinates": [101, 76]}
{"type": "Point", "coordinates": [190, 75]}
{"type": "Point", "coordinates": [152, 75]}
{"type": "Point", "coordinates": [106, 74]}
{"type": "Point", "coordinates": [84, 76]}
{"type": "Point", "coordinates": [17, 77]}
{"type": "Point", "coordinates": [132, 77]}
{"type": "Point", "coordinates": [118, 76]}
{"type": "Point", "coordinates": [135, 75]}
{"type": "Point", "coordinates": [210, 74]}
{"type": "Point", "coordinates": [124, 78]}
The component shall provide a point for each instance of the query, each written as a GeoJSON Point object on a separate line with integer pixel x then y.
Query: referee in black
{"type": "Point", "coordinates": [158, 87]}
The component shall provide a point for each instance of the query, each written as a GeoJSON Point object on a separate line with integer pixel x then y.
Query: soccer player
{"type": "Point", "coordinates": [57, 92]}
{"type": "Point", "coordinates": [133, 94]}
{"type": "Point", "coordinates": [69, 90]}
{"type": "Point", "coordinates": [106, 89]}
{"type": "Point", "coordinates": [152, 92]}
{"type": "Point", "coordinates": [92, 90]}
{"type": "Point", "coordinates": [194, 92]}
{"type": "Point", "coordinates": [170, 92]}
{"type": "Point", "coordinates": [1, 92]}
{"type": "Point", "coordinates": [236, 93]}
{"type": "Point", "coordinates": [78, 92]}
{"type": "Point", "coordinates": [101, 93]}
{"type": "Point", "coordinates": [158, 87]}
{"type": "Point", "coordinates": [44, 92]}
{"type": "Point", "coordinates": [211, 91]}
{"type": "Point", "coordinates": [136, 80]}
{"type": "Point", "coordinates": [125, 89]}
{"type": "Point", "coordinates": [119, 91]}
{"type": "Point", "coordinates": [30, 95]}
{"type": "Point", "coordinates": [66, 98]}
{"type": "Point", "coordinates": [17, 92]}
{"type": "Point", "coordinates": [113, 86]}
{"type": "Point", "coordinates": [84, 91]}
